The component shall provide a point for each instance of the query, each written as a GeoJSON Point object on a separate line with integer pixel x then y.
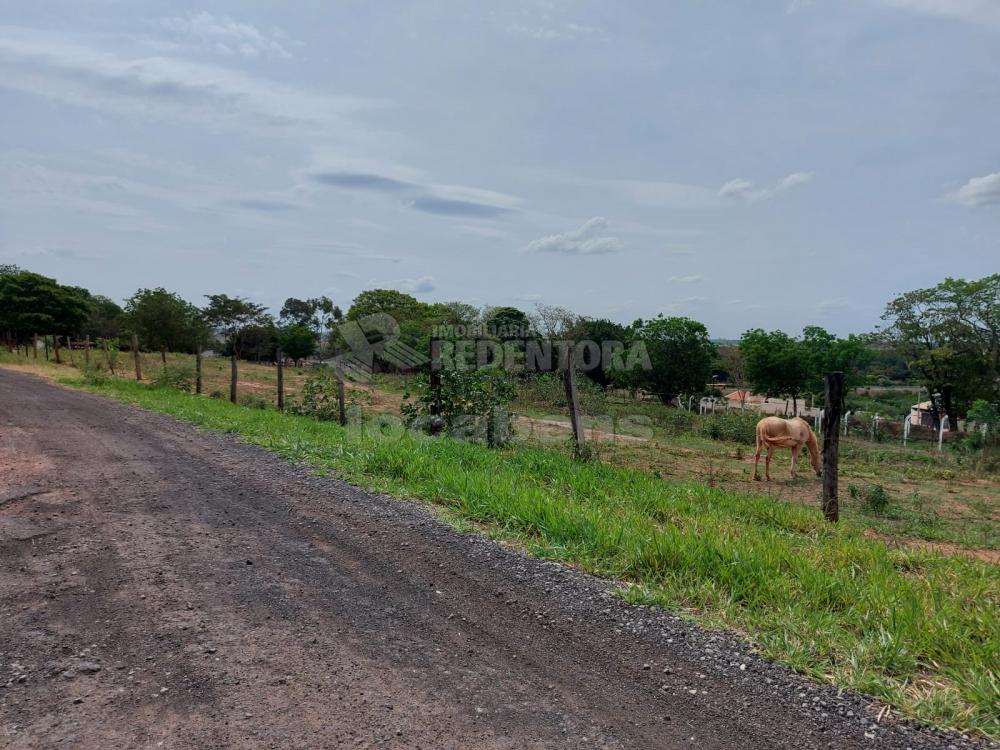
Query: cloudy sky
{"type": "Point", "coordinates": [773, 164]}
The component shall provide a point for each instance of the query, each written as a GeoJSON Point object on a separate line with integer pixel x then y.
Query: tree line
{"type": "Point", "coordinates": [945, 338]}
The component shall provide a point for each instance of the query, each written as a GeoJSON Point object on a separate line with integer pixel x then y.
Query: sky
{"type": "Point", "coordinates": [771, 164]}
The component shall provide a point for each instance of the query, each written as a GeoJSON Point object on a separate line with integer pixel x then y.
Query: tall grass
{"type": "Point", "coordinates": [917, 630]}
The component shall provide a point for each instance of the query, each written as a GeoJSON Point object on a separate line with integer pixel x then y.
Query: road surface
{"type": "Point", "coordinates": [167, 588]}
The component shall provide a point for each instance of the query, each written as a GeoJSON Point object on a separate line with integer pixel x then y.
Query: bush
{"type": "Point", "coordinates": [471, 404]}
{"type": "Point", "coordinates": [317, 397]}
{"type": "Point", "coordinates": [253, 401]}
{"type": "Point", "coordinates": [94, 374]}
{"type": "Point", "coordinates": [177, 376]}
{"type": "Point", "coordinates": [732, 426]}
{"type": "Point", "coordinates": [874, 497]}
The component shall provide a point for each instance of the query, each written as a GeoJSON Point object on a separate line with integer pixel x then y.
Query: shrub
{"type": "Point", "coordinates": [93, 374]}
{"type": "Point", "coordinates": [472, 404]}
{"type": "Point", "coordinates": [874, 497]}
{"type": "Point", "coordinates": [317, 398]}
{"type": "Point", "coordinates": [179, 376]}
{"type": "Point", "coordinates": [733, 426]}
{"type": "Point", "coordinates": [253, 401]}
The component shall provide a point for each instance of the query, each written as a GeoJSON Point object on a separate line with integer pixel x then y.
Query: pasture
{"type": "Point", "coordinates": [899, 601]}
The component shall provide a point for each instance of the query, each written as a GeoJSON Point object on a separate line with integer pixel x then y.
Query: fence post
{"type": "Point", "coordinates": [281, 379]}
{"type": "Point", "coordinates": [834, 398]}
{"type": "Point", "coordinates": [55, 348]}
{"type": "Point", "coordinates": [86, 349]}
{"type": "Point", "coordinates": [232, 379]}
{"type": "Point", "coordinates": [197, 369]}
{"type": "Point", "coordinates": [573, 400]}
{"type": "Point", "coordinates": [135, 357]}
{"type": "Point", "coordinates": [34, 345]}
{"type": "Point", "coordinates": [69, 346]}
{"type": "Point", "coordinates": [435, 375]}
{"type": "Point", "coordinates": [341, 405]}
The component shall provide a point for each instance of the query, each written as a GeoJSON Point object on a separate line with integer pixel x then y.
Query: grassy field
{"type": "Point", "coordinates": [912, 627]}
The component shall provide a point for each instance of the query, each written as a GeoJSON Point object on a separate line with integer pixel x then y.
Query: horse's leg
{"type": "Point", "coordinates": [767, 463]}
{"type": "Point", "coordinates": [795, 457]}
{"type": "Point", "coordinates": [756, 463]}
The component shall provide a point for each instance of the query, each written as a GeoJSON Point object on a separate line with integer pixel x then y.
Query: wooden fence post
{"type": "Point", "coordinates": [281, 379]}
{"type": "Point", "coordinates": [34, 345]}
{"type": "Point", "coordinates": [341, 405]}
{"type": "Point", "coordinates": [232, 380]}
{"type": "Point", "coordinates": [573, 400]}
{"type": "Point", "coordinates": [197, 369]}
{"type": "Point", "coordinates": [435, 375]}
{"type": "Point", "coordinates": [69, 346]}
{"type": "Point", "coordinates": [86, 349]}
{"type": "Point", "coordinates": [45, 341]}
{"type": "Point", "coordinates": [135, 357]}
{"type": "Point", "coordinates": [55, 348]}
{"type": "Point", "coordinates": [834, 396]}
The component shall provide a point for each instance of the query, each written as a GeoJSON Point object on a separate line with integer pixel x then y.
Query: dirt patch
{"type": "Point", "coordinates": [942, 548]}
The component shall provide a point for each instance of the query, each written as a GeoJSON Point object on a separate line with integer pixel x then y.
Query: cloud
{"type": "Point", "coordinates": [431, 198]}
{"type": "Point", "coordinates": [979, 192]}
{"type": "Point", "coordinates": [159, 86]}
{"type": "Point", "coordinates": [744, 190]}
{"type": "Point", "coordinates": [973, 11]}
{"type": "Point", "coordinates": [421, 285]}
{"type": "Point", "coordinates": [694, 278]}
{"type": "Point", "coordinates": [586, 240]}
{"type": "Point", "coordinates": [228, 36]}
{"type": "Point", "coordinates": [264, 204]}
{"type": "Point", "coordinates": [453, 207]}
{"type": "Point", "coordinates": [361, 181]}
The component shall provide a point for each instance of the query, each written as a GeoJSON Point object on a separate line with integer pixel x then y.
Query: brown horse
{"type": "Point", "coordinates": [775, 432]}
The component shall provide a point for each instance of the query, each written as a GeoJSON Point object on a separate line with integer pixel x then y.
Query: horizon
{"type": "Point", "coordinates": [798, 162]}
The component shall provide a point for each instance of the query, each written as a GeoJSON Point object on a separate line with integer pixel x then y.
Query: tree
{"type": "Point", "coordinates": [731, 360]}
{"type": "Point", "coordinates": [297, 341]}
{"type": "Point", "coordinates": [105, 318]}
{"type": "Point", "coordinates": [507, 323]}
{"type": "Point", "coordinates": [827, 353]}
{"type": "Point", "coordinates": [602, 332]}
{"type": "Point", "coordinates": [950, 337]}
{"type": "Point", "coordinates": [34, 304]}
{"type": "Point", "coordinates": [233, 318]}
{"type": "Point", "coordinates": [553, 321]}
{"type": "Point", "coordinates": [681, 355]}
{"type": "Point", "coordinates": [776, 364]}
{"type": "Point", "coordinates": [397, 304]}
{"type": "Point", "coordinates": [162, 320]}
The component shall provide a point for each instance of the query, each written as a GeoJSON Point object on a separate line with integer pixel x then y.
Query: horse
{"type": "Point", "coordinates": [775, 432]}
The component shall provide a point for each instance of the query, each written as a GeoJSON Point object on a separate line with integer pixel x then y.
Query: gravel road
{"type": "Point", "coordinates": [166, 588]}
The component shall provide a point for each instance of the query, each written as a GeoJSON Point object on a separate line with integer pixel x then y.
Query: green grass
{"type": "Point", "coordinates": [917, 630]}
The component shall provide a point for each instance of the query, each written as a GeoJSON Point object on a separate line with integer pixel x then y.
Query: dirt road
{"type": "Point", "coordinates": [161, 587]}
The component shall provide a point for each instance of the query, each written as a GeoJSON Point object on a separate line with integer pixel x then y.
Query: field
{"type": "Point", "coordinates": [900, 601]}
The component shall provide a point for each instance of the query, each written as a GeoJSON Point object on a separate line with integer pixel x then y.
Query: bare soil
{"type": "Point", "coordinates": [163, 587]}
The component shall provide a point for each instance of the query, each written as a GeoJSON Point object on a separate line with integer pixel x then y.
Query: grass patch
{"type": "Point", "coordinates": [914, 629]}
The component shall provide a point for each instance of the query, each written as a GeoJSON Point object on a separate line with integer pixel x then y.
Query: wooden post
{"type": "Point", "coordinates": [573, 400]}
{"type": "Point", "coordinates": [163, 355]}
{"type": "Point", "coordinates": [232, 380]}
{"type": "Point", "coordinates": [834, 396]}
{"type": "Point", "coordinates": [45, 340]}
{"type": "Point", "coordinates": [55, 348]}
{"type": "Point", "coordinates": [34, 345]}
{"type": "Point", "coordinates": [86, 349]}
{"type": "Point", "coordinates": [69, 346]}
{"type": "Point", "coordinates": [281, 379]}
{"type": "Point", "coordinates": [135, 357]}
{"type": "Point", "coordinates": [197, 369]}
{"type": "Point", "coordinates": [435, 375]}
{"type": "Point", "coordinates": [341, 405]}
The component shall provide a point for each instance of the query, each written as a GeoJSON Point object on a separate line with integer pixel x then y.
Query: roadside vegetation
{"type": "Point", "coordinates": [917, 630]}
